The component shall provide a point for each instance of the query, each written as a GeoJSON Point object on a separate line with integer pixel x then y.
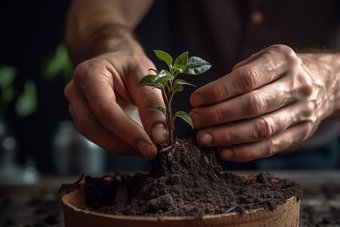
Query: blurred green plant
{"type": "Point", "coordinates": [53, 65]}
{"type": "Point", "coordinates": [57, 63]}
{"type": "Point", "coordinates": [26, 101]}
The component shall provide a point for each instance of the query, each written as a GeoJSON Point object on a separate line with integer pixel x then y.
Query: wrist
{"type": "Point", "coordinates": [106, 39]}
{"type": "Point", "coordinates": [324, 69]}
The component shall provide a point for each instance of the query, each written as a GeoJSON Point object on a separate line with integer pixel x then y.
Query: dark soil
{"type": "Point", "coordinates": [185, 179]}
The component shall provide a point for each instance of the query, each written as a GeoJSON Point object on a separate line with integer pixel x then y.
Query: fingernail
{"type": "Point", "coordinates": [159, 133]}
{"type": "Point", "coordinates": [226, 153]}
{"type": "Point", "coordinates": [144, 148]}
{"type": "Point", "coordinates": [196, 120]}
{"type": "Point", "coordinates": [197, 100]}
{"type": "Point", "coordinates": [206, 139]}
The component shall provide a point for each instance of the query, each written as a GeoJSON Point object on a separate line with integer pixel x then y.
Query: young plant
{"type": "Point", "coordinates": [166, 81]}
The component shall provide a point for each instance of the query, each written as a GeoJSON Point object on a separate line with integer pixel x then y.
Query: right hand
{"type": "Point", "coordinates": [93, 93]}
{"type": "Point", "coordinates": [276, 99]}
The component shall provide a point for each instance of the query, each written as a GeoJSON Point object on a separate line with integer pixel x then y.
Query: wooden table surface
{"type": "Point", "coordinates": [39, 205]}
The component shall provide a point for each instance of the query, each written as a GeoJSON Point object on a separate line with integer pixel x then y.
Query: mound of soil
{"type": "Point", "coordinates": [185, 180]}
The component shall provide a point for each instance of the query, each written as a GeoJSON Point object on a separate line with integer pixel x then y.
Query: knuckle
{"type": "Point", "coordinates": [81, 70]}
{"type": "Point", "coordinates": [99, 109]}
{"type": "Point", "coordinates": [309, 109]}
{"type": "Point", "coordinates": [271, 147]}
{"type": "Point", "coordinates": [218, 116]}
{"type": "Point", "coordinates": [227, 136]}
{"type": "Point", "coordinates": [251, 79]}
{"type": "Point", "coordinates": [263, 129]}
{"type": "Point", "coordinates": [307, 129]}
{"type": "Point", "coordinates": [87, 68]}
{"type": "Point", "coordinates": [218, 93]}
{"type": "Point", "coordinates": [305, 85]}
{"type": "Point", "coordinates": [256, 105]}
{"type": "Point", "coordinates": [212, 115]}
{"type": "Point", "coordinates": [286, 52]}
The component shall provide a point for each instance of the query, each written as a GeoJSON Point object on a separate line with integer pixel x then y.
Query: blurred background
{"type": "Point", "coordinates": [36, 130]}
{"type": "Point", "coordinates": [32, 100]}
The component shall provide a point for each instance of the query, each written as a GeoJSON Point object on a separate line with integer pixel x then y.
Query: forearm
{"type": "Point", "coordinates": [96, 27]}
{"type": "Point", "coordinates": [324, 69]}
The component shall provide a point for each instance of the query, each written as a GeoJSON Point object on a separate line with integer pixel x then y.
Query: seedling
{"type": "Point", "coordinates": [166, 81]}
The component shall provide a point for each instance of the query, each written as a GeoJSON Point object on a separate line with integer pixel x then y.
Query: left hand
{"type": "Point", "coordinates": [274, 99]}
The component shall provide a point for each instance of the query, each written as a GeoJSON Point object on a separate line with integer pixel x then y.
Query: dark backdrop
{"type": "Point", "coordinates": [29, 31]}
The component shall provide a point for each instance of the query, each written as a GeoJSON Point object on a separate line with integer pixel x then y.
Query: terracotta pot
{"type": "Point", "coordinates": [284, 215]}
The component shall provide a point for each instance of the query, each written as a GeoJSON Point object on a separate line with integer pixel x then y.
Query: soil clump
{"type": "Point", "coordinates": [185, 180]}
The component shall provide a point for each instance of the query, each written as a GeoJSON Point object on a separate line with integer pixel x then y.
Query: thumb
{"type": "Point", "coordinates": [154, 122]}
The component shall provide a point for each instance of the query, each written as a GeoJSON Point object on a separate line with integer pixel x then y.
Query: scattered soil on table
{"type": "Point", "coordinates": [321, 205]}
{"type": "Point", "coordinates": [41, 210]}
{"type": "Point", "coordinates": [185, 179]}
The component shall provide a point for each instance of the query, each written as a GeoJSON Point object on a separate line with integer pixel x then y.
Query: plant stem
{"type": "Point", "coordinates": [169, 117]}
{"type": "Point", "coordinates": [170, 125]}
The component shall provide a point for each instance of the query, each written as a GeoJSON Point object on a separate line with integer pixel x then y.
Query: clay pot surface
{"type": "Point", "coordinates": [286, 214]}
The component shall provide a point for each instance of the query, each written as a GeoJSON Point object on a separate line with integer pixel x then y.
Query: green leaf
{"type": "Point", "coordinates": [149, 80]}
{"type": "Point", "coordinates": [176, 88]}
{"type": "Point", "coordinates": [158, 108]}
{"type": "Point", "coordinates": [163, 56]}
{"type": "Point", "coordinates": [27, 102]}
{"type": "Point", "coordinates": [163, 76]}
{"type": "Point", "coordinates": [67, 70]}
{"type": "Point", "coordinates": [181, 62]}
{"type": "Point", "coordinates": [8, 94]}
{"type": "Point", "coordinates": [197, 66]}
{"type": "Point", "coordinates": [56, 63]}
{"type": "Point", "coordinates": [185, 117]}
{"type": "Point", "coordinates": [7, 76]}
{"type": "Point", "coordinates": [183, 82]}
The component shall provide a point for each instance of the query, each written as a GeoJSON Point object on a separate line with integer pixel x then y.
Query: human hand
{"type": "Point", "coordinates": [94, 95]}
{"type": "Point", "coordinates": [272, 100]}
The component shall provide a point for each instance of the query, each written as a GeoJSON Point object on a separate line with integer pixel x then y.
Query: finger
{"type": "Point", "coordinates": [293, 86]}
{"type": "Point", "coordinates": [97, 86]}
{"type": "Point", "coordinates": [255, 129]}
{"type": "Point", "coordinates": [261, 101]}
{"type": "Point", "coordinates": [268, 147]}
{"type": "Point", "coordinates": [153, 121]}
{"type": "Point", "coordinates": [88, 125]}
{"type": "Point", "coordinates": [264, 68]}
{"type": "Point", "coordinates": [145, 97]}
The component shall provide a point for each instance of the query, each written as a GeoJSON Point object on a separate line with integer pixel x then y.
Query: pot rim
{"type": "Point", "coordinates": [65, 202]}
